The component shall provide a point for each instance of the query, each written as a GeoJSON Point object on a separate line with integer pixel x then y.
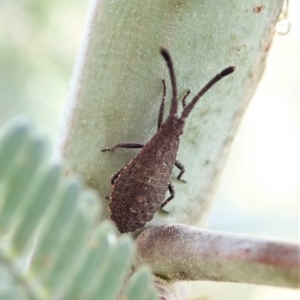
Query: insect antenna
{"type": "Point", "coordinates": [214, 80]}
{"type": "Point", "coordinates": [162, 106]}
{"type": "Point", "coordinates": [166, 55]}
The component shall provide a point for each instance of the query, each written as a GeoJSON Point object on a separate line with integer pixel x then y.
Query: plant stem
{"type": "Point", "coordinates": [180, 252]}
{"type": "Point", "coordinates": [116, 87]}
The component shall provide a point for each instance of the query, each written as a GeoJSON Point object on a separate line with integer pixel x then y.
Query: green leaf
{"type": "Point", "coordinates": [141, 286]}
{"type": "Point", "coordinates": [12, 137]}
{"type": "Point", "coordinates": [113, 271]}
{"type": "Point", "coordinates": [88, 264]}
{"type": "Point", "coordinates": [57, 215]}
{"type": "Point", "coordinates": [52, 245]}
{"type": "Point", "coordinates": [19, 178]}
{"type": "Point", "coordinates": [42, 191]}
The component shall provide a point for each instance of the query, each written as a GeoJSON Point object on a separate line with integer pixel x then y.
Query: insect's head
{"type": "Point", "coordinates": [174, 125]}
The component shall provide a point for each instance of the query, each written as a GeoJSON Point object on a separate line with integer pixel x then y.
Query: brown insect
{"type": "Point", "coordinates": [139, 188]}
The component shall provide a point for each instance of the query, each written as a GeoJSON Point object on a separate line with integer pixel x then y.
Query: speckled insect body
{"type": "Point", "coordinates": [139, 188]}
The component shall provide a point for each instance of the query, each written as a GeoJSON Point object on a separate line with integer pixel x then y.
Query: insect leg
{"type": "Point", "coordinates": [180, 166]}
{"type": "Point", "coordinates": [172, 192]}
{"type": "Point", "coordinates": [123, 145]}
{"type": "Point", "coordinates": [184, 98]}
{"type": "Point", "coordinates": [115, 175]}
{"type": "Point", "coordinates": [162, 106]}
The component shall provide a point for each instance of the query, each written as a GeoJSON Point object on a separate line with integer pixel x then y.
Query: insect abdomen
{"type": "Point", "coordinates": [132, 205]}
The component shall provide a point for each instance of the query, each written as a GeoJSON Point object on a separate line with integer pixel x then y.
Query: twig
{"type": "Point", "coordinates": [180, 252]}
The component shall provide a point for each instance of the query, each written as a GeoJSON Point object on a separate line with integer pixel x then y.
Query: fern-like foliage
{"type": "Point", "coordinates": [51, 246]}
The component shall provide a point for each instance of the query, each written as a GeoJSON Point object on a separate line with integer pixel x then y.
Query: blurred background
{"type": "Point", "coordinates": [259, 190]}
